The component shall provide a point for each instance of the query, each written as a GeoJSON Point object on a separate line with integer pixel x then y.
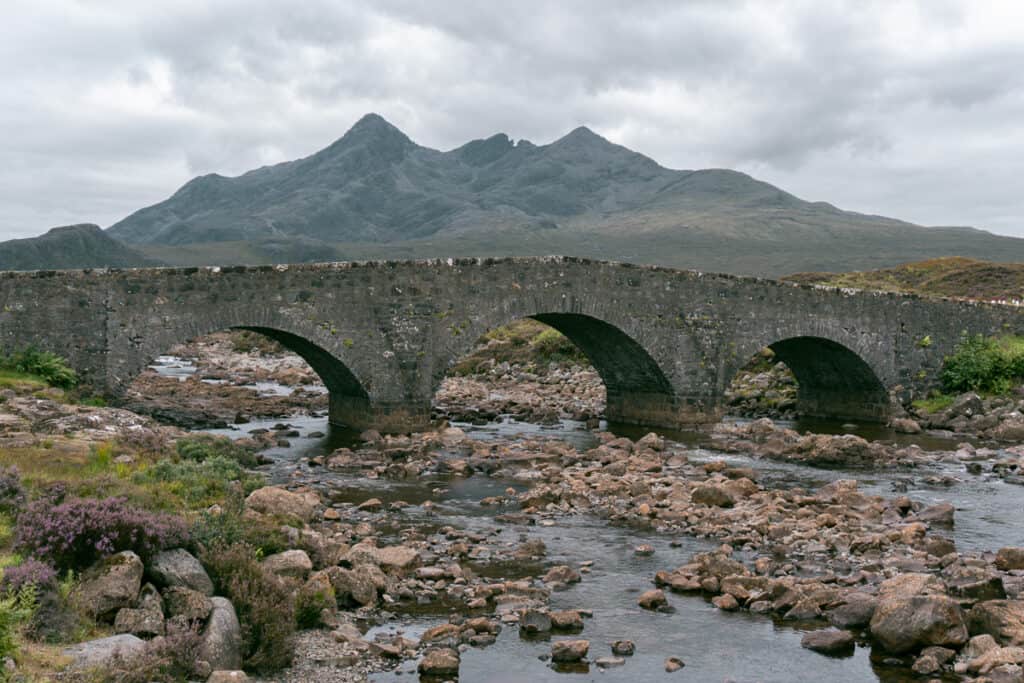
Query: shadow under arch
{"type": "Point", "coordinates": [833, 381]}
{"type": "Point", "coordinates": [637, 390]}
{"type": "Point", "coordinates": [335, 375]}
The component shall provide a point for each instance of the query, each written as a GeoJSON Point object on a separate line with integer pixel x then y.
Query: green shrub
{"type": "Point", "coordinates": [47, 366]}
{"type": "Point", "coordinates": [16, 609]}
{"type": "Point", "coordinates": [200, 483]}
{"type": "Point", "coordinates": [265, 604]}
{"type": "Point", "coordinates": [551, 345]}
{"type": "Point", "coordinates": [205, 446]}
{"type": "Point", "coordinates": [987, 364]}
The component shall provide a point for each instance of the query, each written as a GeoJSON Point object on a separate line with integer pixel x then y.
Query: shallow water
{"type": "Point", "coordinates": [715, 645]}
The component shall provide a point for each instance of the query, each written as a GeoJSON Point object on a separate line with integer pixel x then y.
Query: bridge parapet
{"type": "Point", "coordinates": [383, 335]}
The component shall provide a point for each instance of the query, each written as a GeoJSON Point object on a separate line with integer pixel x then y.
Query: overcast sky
{"type": "Point", "coordinates": [909, 109]}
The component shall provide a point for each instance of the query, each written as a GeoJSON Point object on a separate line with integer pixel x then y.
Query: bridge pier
{"type": "Point", "coordinates": [660, 410]}
{"type": "Point", "coordinates": [842, 404]}
{"type": "Point", "coordinates": [387, 417]}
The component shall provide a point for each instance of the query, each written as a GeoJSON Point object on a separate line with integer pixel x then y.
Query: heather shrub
{"type": "Point", "coordinates": [200, 483]}
{"type": "Point", "coordinates": [12, 493]}
{"type": "Point", "coordinates": [79, 531]}
{"type": "Point", "coordinates": [229, 526]}
{"type": "Point", "coordinates": [31, 571]}
{"type": "Point", "coordinates": [310, 602]}
{"type": "Point", "coordinates": [164, 660]}
{"type": "Point", "coordinates": [55, 621]}
{"type": "Point", "coordinates": [202, 447]}
{"type": "Point", "coordinates": [265, 605]}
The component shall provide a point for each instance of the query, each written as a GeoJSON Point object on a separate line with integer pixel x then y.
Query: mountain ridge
{"type": "Point", "coordinates": [375, 193]}
{"type": "Point", "coordinates": [83, 245]}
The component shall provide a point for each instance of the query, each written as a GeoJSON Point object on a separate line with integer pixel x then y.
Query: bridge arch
{"type": "Point", "coordinates": [322, 350]}
{"type": "Point", "coordinates": [833, 380]}
{"type": "Point", "coordinates": [637, 388]}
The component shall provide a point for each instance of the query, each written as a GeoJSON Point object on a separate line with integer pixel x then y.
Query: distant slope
{"type": "Point", "coordinates": [374, 193]}
{"type": "Point", "coordinates": [951, 277]}
{"type": "Point", "coordinates": [72, 246]}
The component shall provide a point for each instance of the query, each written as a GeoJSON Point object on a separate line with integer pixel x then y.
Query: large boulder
{"type": "Point", "coordinates": [97, 653]}
{"type": "Point", "coordinates": [290, 563]}
{"type": "Point", "coordinates": [389, 558]}
{"type": "Point", "coordinates": [109, 585]}
{"type": "Point", "coordinates": [1010, 558]}
{"type": "Point", "coordinates": [361, 584]}
{"type": "Point", "coordinates": [567, 651]}
{"type": "Point", "coordinates": [440, 661]}
{"type": "Point", "coordinates": [829, 641]}
{"type": "Point", "coordinates": [221, 644]}
{"type": "Point", "coordinates": [188, 604]}
{"type": "Point", "coordinates": [274, 500]}
{"type": "Point", "coordinates": [178, 567]}
{"type": "Point", "coordinates": [1001, 619]}
{"type": "Point", "coordinates": [146, 620]}
{"type": "Point", "coordinates": [906, 624]}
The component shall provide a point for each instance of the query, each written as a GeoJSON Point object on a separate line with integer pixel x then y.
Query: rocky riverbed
{"type": "Point", "coordinates": [525, 540]}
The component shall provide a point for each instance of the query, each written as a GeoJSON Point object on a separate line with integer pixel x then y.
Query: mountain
{"type": "Point", "coordinates": [374, 193]}
{"type": "Point", "coordinates": [72, 246]}
{"type": "Point", "coordinates": [951, 277]}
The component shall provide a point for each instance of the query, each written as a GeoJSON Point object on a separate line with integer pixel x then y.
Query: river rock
{"type": "Point", "coordinates": [566, 620]}
{"type": "Point", "coordinates": [940, 514]}
{"type": "Point", "coordinates": [221, 643]}
{"type": "Point", "coordinates": [1011, 429]}
{"type": "Point", "coordinates": [1010, 558]}
{"type": "Point", "coordinates": [290, 563]}
{"type": "Point", "coordinates": [534, 621]}
{"type": "Point", "coordinates": [904, 624]}
{"type": "Point", "coordinates": [905, 425]}
{"type": "Point", "coordinates": [228, 677]}
{"type": "Point", "coordinates": [440, 661]}
{"type": "Point", "coordinates": [569, 650]}
{"type": "Point", "coordinates": [360, 584]}
{"type": "Point", "coordinates": [725, 602]}
{"type": "Point", "coordinates": [829, 642]}
{"type": "Point", "coordinates": [99, 652]}
{"type": "Point", "coordinates": [1001, 619]}
{"type": "Point", "coordinates": [442, 633]}
{"type": "Point", "coordinates": [856, 613]}
{"type": "Point", "coordinates": [562, 574]}
{"type": "Point", "coordinates": [109, 585]}
{"type": "Point", "coordinates": [673, 664]}
{"type": "Point", "coordinates": [623, 648]}
{"type": "Point", "coordinates": [274, 500]}
{"type": "Point", "coordinates": [389, 558]}
{"type": "Point", "coordinates": [995, 658]}
{"type": "Point", "coordinates": [712, 496]}
{"type": "Point", "coordinates": [178, 567]}
{"type": "Point", "coordinates": [652, 599]}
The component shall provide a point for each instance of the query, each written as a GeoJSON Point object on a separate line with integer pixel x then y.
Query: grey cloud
{"type": "Point", "coordinates": [875, 106]}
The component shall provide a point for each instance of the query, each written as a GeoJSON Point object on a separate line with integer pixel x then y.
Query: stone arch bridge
{"type": "Point", "coordinates": [382, 335]}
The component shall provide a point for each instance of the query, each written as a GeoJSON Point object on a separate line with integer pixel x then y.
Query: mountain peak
{"type": "Point", "coordinates": [372, 133]}
{"type": "Point", "coordinates": [374, 126]}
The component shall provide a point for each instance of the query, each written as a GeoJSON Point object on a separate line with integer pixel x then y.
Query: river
{"type": "Point", "coordinates": [715, 645]}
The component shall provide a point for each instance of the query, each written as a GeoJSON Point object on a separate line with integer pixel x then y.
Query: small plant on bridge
{"type": "Point", "coordinates": [43, 365]}
{"type": "Point", "coordinates": [987, 364]}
